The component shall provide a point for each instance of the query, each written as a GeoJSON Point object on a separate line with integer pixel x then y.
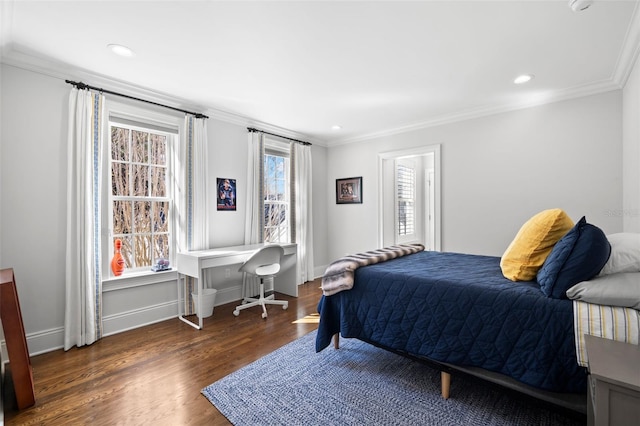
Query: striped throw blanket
{"type": "Point", "coordinates": [610, 322]}
{"type": "Point", "coordinates": [339, 274]}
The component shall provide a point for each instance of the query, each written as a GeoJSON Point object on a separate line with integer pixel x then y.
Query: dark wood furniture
{"type": "Point", "coordinates": [21, 372]}
{"type": "Point", "coordinates": [614, 382]}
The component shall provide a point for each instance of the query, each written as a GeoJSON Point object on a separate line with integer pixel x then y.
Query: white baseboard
{"type": "Point", "coordinates": [44, 341]}
{"type": "Point", "coordinates": [53, 339]}
{"type": "Point", "coordinates": [39, 342]}
{"type": "Point", "coordinates": [228, 295]}
{"type": "Point", "coordinates": [135, 318]}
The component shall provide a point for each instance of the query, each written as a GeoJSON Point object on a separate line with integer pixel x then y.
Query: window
{"type": "Point", "coordinates": [277, 213]}
{"type": "Point", "coordinates": [406, 194]}
{"type": "Point", "coordinates": [140, 203]}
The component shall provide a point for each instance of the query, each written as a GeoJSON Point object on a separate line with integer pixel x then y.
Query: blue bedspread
{"type": "Point", "coordinates": [459, 309]}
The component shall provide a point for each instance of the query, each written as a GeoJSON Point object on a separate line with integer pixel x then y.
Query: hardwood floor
{"type": "Point", "coordinates": [154, 374]}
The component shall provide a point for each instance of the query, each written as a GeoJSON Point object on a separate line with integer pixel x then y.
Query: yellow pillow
{"type": "Point", "coordinates": [533, 243]}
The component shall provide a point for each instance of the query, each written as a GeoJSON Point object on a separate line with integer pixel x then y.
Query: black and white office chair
{"type": "Point", "coordinates": [264, 264]}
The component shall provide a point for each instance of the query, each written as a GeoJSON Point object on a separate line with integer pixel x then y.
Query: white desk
{"type": "Point", "coordinates": [193, 264]}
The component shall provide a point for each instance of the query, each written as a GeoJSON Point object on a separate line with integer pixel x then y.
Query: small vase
{"type": "Point", "coordinates": [117, 263]}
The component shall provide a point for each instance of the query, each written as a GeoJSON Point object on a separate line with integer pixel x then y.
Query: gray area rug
{"type": "Point", "coordinates": [360, 384]}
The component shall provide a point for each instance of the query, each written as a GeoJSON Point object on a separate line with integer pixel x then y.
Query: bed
{"type": "Point", "coordinates": [458, 309]}
{"type": "Point", "coordinates": [459, 312]}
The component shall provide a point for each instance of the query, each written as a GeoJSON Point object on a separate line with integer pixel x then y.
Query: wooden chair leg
{"type": "Point", "coordinates": [445, 384]}
{"type": "Point", "coordinates": [336, 341]}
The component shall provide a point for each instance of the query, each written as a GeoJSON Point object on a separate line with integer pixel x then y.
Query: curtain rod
{"type": "Point", "coordinates": [251, 129]}
{"type": "Point", "coordinates": [82, 86]}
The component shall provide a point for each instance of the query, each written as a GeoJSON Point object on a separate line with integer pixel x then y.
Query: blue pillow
{"type": "Point", "coordinates": [578, 256]}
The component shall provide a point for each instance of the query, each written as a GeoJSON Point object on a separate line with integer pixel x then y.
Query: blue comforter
{"type": "Point", "coordinates": [459, 309]}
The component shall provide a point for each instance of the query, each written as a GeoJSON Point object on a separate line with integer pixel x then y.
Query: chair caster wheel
{"type": "Point", "coordinates": [264, 315]}
{"type": "Point", "coordinates": [236, 312]}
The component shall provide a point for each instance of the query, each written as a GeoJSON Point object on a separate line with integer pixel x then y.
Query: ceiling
{"type": "Point", "coordinates": [371, 67]}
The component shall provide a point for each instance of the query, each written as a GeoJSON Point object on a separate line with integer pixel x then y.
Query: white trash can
{"type": "Point", "coordinates": [208, 301]}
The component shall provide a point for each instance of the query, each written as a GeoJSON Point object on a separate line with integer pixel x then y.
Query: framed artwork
{"type": "Point", "coordinates": [349, 190]}
{"type": "Point", "coordinates": [226, 197]}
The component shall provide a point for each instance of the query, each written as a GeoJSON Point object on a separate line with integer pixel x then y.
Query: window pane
{"type": "Point", "coordinates": [143, 250]}
{"type": "Point", "coordinates": [140, 147]}
{"type": "Point", "coordinates": [275, 178]}
{"type": "Point", "coordinates": [142, 216]}
{"type": "Point", "coordinates": [122, 217]}
{"type": "Point", "coordinates": [405, 218]}
{"type": "Point", "coordinates": [126, 251]}
{"type": "Point", "coordinates": [406, 180]}
{"type": "Point", "coordinates": [161, 216]}
{"type": "Point", "coordinates": [120, 179]}
{"type": "Point", "coordinates": [161, 246]}
{"type": "Point", "coordinates": [158, 149]}
{"type": "Point", "coordinates": [275, 221]}
{"type": "Point", "coordinates": [140, 180]}
{"type": "Point", "coordinates": [279, 178]}
{"type": "Point", "coordinates": [119, 144]}
{"type": "Point", "coordinates": [269, 173]}
{"type": "Point", "coordinates": [271, 215]}
{"type": "Point", "coordinates": [158, 182]}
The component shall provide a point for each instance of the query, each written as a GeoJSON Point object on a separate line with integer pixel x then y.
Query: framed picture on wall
{"type": "Point", "coordinates": [349, 190]}
{"type": "Point", "coordinates": [226, 197]}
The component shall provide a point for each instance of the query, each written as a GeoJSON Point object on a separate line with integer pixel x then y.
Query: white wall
{"type": "Point", "coordinates": [497, 171]}
{"type": "Point", "coordinates": [33, 146]}
{"type": "Point", "coordinates": [33, 220]}
{"type": "Point", "coordinates": [320, 202]}
{"type": "Point", "coordinates": [631, 152]}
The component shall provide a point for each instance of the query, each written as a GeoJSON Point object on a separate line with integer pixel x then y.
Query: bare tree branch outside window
{"type": "Point", "coordinates": [276, 199]}
{"type": "Point", "coordinates": [140, 200]}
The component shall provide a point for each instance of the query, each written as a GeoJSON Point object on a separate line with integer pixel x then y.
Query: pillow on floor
{"type": "Point", "coordinates": [625, 253]}
{"type": "Point", "coordinates": [578, 256]}
{"type": "Point", "coordinates": [533, 243]}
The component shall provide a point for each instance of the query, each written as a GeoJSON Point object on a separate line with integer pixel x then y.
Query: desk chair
{"type": "Point", "coordinates": [264, 264]}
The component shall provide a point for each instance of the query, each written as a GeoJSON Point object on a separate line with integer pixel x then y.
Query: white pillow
{"type": "Point", "coordinates": [625, 254]}
{"type": "Point", "coordinates": [613, 290]}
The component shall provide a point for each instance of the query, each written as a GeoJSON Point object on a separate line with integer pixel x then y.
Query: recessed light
{"type": "Point", "coordinates": [521, 79]}
{"type": "Point", "coordinates": [121, 50]}
{"type": "Point", "coordinates": [336, 127]}
{"type": "Point", "coordinates": [579, 5]}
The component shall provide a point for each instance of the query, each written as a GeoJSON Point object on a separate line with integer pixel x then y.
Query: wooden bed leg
{"type": "Point", "coordinates": [445, 384]}
{"type": "Point", "coordinates": [336, 341]}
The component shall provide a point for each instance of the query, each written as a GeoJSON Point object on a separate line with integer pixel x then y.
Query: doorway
{"type": "Point", "coordinates": [409, 199]}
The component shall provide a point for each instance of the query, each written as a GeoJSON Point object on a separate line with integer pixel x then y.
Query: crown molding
{"type": "Point", "coordinates": [626, 61]}
{"type": "Point", "coordinates": [488, 110]}
{"type": "Point", "coordinates": [62, 71]}
{"type": "Point", "coordinates": [630, 50]}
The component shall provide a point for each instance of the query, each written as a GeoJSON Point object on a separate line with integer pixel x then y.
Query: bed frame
{"type": "Point", "coordinates": [573, 402]}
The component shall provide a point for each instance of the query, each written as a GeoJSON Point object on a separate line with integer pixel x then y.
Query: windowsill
{"type": "Point", "coordinates": [137, 279]}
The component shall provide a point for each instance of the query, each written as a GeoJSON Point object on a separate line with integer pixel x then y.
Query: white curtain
{"type": "Point", "coordinates": [303, 226]}
{"type": "Point", "coordinates": [83, 286]}
{"type": "Point", "coordinates": [192, 191]}
{"type": "Point", "coordinates": [254, 221]}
